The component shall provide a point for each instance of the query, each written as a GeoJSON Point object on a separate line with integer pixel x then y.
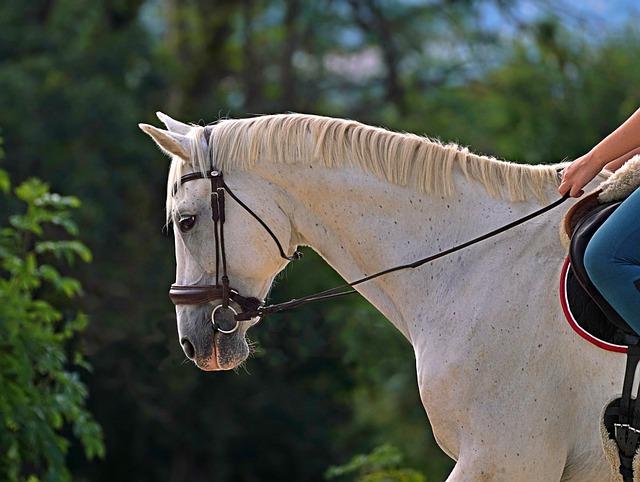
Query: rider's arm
{"type": "Point", "coordinates": [618, 163]}
{"type": "Point", "coordinates": [623, 140]}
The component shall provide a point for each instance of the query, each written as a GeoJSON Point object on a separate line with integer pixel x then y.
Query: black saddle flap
{"type": "Point", "coordinates": [582, 234]}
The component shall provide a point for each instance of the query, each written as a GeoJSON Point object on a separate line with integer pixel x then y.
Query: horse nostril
{"type": "Point", "coordinates": [188, 348]}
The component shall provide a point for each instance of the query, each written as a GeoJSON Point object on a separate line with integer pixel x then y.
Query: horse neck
{"type": "Point", "coordinates": [360, 225]}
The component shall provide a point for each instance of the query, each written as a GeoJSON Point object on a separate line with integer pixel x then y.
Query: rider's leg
{"type": "Point", "coordinates": [612, 260]}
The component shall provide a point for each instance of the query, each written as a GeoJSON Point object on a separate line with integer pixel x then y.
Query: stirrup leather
{"type": "Point", "coordinates": [622, 417]}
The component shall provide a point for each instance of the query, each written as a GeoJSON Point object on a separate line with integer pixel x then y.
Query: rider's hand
{"type": "Point", "coordinates": [578, 174]}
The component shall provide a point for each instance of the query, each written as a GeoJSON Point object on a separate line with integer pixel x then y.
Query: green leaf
{"type": "Point", "coordinates": [25, 223]}
{"type": "Point", "coordinates": [67, 223]}
{"type": "Point", "coordinates": [381, 459]}
{"type": "Point", "coordinates": [31, 189]}
{"type": "Point", "coordinates": [5, 182]}
{"type": "Point", "coordinates": [57, 201]}
{"type": "Point", "coordinates": [67, 250]}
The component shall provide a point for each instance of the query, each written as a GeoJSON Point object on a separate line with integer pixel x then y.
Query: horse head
{"type": "Point", "coordinates": [226, 258]}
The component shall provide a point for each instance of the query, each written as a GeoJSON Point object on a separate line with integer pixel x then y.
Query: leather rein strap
{"type": "Point", "coordinates": [348, 288]}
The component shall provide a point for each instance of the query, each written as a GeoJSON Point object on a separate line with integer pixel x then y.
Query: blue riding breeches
{"type": "Point", "coordinates": [612, 260]}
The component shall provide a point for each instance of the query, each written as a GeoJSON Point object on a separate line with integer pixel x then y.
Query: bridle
{"type": "Point", "coordinates": [225, 318]}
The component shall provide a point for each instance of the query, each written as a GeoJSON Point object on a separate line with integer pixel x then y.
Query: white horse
{"type": "Point", "coordinates": [512, 393]}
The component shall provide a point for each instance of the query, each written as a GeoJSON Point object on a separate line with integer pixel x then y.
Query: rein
{"type": "Point", "coordinates": [225, 318]}
{"type": "Point", "coordinates": [348, 288]}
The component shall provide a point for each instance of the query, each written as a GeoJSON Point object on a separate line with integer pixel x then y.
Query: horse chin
{"type": "Point", "coordinates": [228, 352]}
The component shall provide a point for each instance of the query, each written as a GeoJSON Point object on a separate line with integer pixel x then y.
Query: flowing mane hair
{"type": "Point", "coordinates": [400, 158]}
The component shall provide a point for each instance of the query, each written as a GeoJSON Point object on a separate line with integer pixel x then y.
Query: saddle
{"type": "Point", "coordinates": [596, 315]}
{"type": "Point", "coordinates": [621, 417]}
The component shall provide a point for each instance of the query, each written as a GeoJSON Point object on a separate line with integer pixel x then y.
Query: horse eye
{"type": "Point", "coordinates": [186, 223]}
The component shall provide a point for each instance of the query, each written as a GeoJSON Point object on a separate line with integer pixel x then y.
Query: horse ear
{"type": "Point", "coordinates": [169, 142]}
{"type": "Point", "coordinates": [172, 124]}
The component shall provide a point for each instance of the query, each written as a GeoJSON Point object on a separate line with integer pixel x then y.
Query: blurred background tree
{"type": "Point", "coordinates": [528, 81]}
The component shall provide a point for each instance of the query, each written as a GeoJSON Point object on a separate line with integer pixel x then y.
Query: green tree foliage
{"type": "Point", "coordinates": [42, 397]}
{"type": "Point", "coordinates": [383, 464]}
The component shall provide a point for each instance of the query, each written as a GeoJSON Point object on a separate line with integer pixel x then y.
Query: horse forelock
{"type": "Point", "coordinates": [400, 158]}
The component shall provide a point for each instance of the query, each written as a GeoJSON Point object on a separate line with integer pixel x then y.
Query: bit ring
{"type": "Point", "coordinates": [215, 326]}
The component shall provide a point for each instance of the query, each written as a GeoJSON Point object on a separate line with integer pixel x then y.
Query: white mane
{"type": "Point", "coordinates": [400, 158]}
